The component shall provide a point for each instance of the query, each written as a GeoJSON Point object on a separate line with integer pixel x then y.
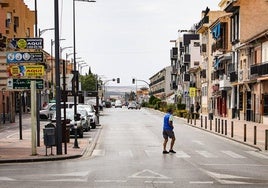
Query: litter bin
{"type": "Point", "coordinates": [49, 133]}
{"type": "Point", "coordinates": [210, 116]}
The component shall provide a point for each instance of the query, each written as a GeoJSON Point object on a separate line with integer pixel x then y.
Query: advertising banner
{"type": "Point", "coordinates": [25, 70]}
{"type": "Point", "coordinates": [19, 57]}
{"type": "Point", "coordinates": [192, 91]}
{"type": "Point", "coordinates": [25, 43]}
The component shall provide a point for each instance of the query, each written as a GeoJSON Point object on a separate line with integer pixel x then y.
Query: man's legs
{"type": "Point", "coordinates": [165, 144]}
{"type": "Point", "coordinates": [172, 142]}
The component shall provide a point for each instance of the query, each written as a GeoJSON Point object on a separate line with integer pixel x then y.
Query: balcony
{"type": "Point", "coordinates": [224, 82]}
{"type": "Point", "coordinates": [174, 53]}
{"type": "Point", "coordinates": [233, 76]}
{"type": "Point", "coordinates": [186, 58]}
{"type": "Point", "coordinates": [259, 70]}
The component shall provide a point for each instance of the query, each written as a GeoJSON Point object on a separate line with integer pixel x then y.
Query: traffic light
{"type": "Point", "coordinates": [118, 80]}
{"type": "Point", "coordinates": [133, 80]}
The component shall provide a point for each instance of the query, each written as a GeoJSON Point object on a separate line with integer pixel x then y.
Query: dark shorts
{"type": "Point", "coordinates": [168, 133]}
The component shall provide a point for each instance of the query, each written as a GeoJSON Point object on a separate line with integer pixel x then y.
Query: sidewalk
{"type": "Point", "coordinates": [12, 149]}
{"type": "Point", "coordinates": [243, 131]}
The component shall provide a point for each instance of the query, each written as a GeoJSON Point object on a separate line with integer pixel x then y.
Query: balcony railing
{"type": "Point", "coordinates": [259, 69]}
{"type": "Point", "coordinates": [224, 82]}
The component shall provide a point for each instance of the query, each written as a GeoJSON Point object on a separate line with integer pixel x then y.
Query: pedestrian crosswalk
{"type": "Point", "coordinates": [185, 154]}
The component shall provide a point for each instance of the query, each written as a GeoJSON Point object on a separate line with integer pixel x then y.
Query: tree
{"type": "Point", "coordinates": [88, 82]}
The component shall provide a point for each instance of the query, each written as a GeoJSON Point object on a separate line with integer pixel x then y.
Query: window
{"type": "Point", "coordinates": [265, 104]}
{"type": "Point", "coordinates": [235, 27]}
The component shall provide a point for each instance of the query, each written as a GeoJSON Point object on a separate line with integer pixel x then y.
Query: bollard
{"type": "Point", "coordinates": [216, 124]}
{"type": "Point", "coordinates": [206, 118]}
{"type": "Point", "coordinates": [266, 139]}
{"type": "Point", "coordinates": [201, 121]}
{"type": "Point", "coordinates": [210, 121]}
{"type": "Point", "coordinates": [222, 126]}
{"type": "Point", "coordinates": [232, 129]}
{"type": "Point", "coordinates": [255, 135]}
{"type": "Point", "coordinates": [191, 119]}
{"type": "Point", "coordinates": [219, 125]}
{"type": "Point", "coordinates": [245, 132]}
{"type": "Point", "coordinates": [188, 118]}
{"type": "Point", "coordinates": [226, 127]}
{"type": "Point", "coordinates": [194, 118]}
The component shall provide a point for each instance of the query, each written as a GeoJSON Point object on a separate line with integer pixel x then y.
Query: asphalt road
{"type": "Point", "coordinates": [129, 154]}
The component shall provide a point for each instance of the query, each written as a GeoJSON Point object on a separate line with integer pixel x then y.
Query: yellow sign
{"type": "Point", "coordinates": [192, 91]}
{"type": "Point", "coordinates": [26, 70]}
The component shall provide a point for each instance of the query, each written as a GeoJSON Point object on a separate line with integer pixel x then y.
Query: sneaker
{"type": "Point", "coordinates": [165, 152]}
{"type": "Point", "coordinates": [172, 151]}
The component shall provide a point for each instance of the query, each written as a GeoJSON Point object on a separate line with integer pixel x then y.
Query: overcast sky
{"type": "Point", "coordinates": [121, 38]}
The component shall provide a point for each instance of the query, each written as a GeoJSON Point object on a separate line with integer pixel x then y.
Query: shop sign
{"type": "Point", "coordinates": [25, 43]}
{"type": "Point", "coordinates": [19, 57]}
{"type": "Point", "coordinates": [26, 70]}
{"type": "Point", "coordinates": [14, 83]}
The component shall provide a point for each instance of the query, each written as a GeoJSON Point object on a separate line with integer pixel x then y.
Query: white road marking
{"type": "Point", "coordinates": [98, 152]}
{"type": "Point", "coordinates": [148, 174]}
{"type": "Point", "coordinates": [201, 182]}
{"type": "Point", "coordinates": [256, 154]}
{"type": "Point", "coordinates": [206, 154]}
{"type": "Point", "coordinates": [182, 154]}
{"type": "Point", "coordinates": [110, 181]}
{"type": "Point", "coordinates": [6, 179]}
{"type": "Point", "coordinates": [233, 154]}
{"type": "Point", "coordinates": [198, 142]}
{"type": "Point", "coordinates": [160, 182]}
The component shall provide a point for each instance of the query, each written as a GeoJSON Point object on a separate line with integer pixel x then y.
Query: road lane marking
{"type": "Point", "coordinates": [256, 154]}
{"type": "Point", "coordinates": [148, 174]}
{"type": "Point", "coordinates": [233, 154]}
{"type": "Point", "coordinates": [201, 182]}
{"type": "Point", "coordinates": [198, 142]}
{"type": "Point", "coordinates": [206, 154]}
{"type": "Point", "coordinates": [181, 154]}
{"type": "Point", "coordinates": [6, 179]}
{"type": "Point", "coordinates": [159, 182]}
{"type": "Point", "coordinates": [110, 181]}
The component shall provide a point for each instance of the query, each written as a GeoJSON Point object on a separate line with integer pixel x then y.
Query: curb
{"type": "Point", "coordinates": [88, 149]}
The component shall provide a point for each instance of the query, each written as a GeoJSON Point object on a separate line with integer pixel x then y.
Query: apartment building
{"type": "Point", "coordinates": [248, 36]}
{"type": "Point", "coordinates": [16, 20]}
{"type": "Point", "coordinates": [160, 83]}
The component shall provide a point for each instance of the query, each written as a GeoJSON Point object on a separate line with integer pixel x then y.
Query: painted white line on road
{"type": "Point", "coordinates": [256, 154]}
{"type": "Point", "coordinates": [181, 154]}
{"type": "Point", "coordinates": [159, 182]}
{"type": "Point", "coordinates": [6, 179]}
{"type": "Point", "coordinates": [201, 182]}
{"type": "Point", "coordinates": [233, 154]}
{"type": "Point", "coordinates": [148, 174]}
{"type": "Point", "coordinates": [206, 154]}
{"type": "Point", "coordinates": [110, 181]}
{"type": "Point", "coordinates": [198, 142]}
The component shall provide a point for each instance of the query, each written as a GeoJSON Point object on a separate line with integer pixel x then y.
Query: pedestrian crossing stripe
{"type": "Point", "coordinates": [183, 154]}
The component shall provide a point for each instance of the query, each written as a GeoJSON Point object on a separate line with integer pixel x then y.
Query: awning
{"type": "Point", "coordinates": [216, 31]}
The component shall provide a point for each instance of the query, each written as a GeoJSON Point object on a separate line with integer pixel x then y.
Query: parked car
{"type": "Point", "coordinates": [84, 118]}
{"type": "Point", "coordinates": [73, 121]}
{"type": "Point", "coordinates": [91, 115]}
{"type": "Point", "coordinates": [48, 111]}
{"type": "Point", "coordinates": [118, 104]}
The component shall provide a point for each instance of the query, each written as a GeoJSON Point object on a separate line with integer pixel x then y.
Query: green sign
{"type": "Point", "coordinates": [26, 83]}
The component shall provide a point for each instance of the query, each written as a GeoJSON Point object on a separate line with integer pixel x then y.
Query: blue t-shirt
{"type": "Point", "coordinates": [167, 118]}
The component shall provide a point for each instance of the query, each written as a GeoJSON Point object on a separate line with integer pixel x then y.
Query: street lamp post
{"type": "Point", "coordinates": [75, 72]}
